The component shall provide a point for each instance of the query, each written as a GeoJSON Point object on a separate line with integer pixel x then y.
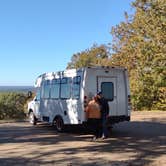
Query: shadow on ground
{"type": "Point", "coordinates": [146, 140]}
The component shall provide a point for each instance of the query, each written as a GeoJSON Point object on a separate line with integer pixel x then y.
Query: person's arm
{"type": "Point", "coordinates": [87, 112]}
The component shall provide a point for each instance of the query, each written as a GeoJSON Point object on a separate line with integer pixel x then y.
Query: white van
{"type": "Point", "coordinates": [61, 97]}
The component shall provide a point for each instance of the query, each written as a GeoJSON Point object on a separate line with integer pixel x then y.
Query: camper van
{"type": "Point", "coordinates": [61, 97]}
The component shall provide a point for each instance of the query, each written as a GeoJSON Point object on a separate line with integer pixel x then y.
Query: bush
{"type": "Point", "coordinates": [12, 105]}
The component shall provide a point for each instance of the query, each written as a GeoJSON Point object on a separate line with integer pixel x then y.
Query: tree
{"type": "Point", "coordinates": [139, 44]}
{"type": "Point", "coordinates": [12, 105]}
{"type": "Point", "coordinates": [95, 56]}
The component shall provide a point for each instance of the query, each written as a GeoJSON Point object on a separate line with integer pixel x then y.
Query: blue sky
{"type": "Point", "coordinates": [38, 36]}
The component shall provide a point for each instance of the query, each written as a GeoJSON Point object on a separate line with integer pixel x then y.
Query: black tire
{"type": "Point", "coordinates": [32, 118]}
{"type": "Point", "coordinates": [58, 123]}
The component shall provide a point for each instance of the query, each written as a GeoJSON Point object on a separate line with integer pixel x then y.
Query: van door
{"type": "Point", "coordinates": [37, 104]}
{"type": "Point", "coordinates": [65, 98]}
{"type": "Point", "coordinates": [69, 103]}
{"type": "Point", "coordinates": [76, 111]}
{"type": "Point", "coordinates": [108, 87]}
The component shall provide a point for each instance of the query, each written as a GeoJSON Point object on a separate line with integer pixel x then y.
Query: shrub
{"type": "Point", "coordinates": [12, 105]}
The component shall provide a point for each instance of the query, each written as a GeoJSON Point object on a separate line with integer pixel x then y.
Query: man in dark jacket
{"type": "Point", "coordinates": [104, 107]}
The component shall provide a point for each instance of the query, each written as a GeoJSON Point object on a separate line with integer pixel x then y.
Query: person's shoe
{"type": "Point", "coordinates": [104, 137]}
{"type": "Point", "coordinates": [94, 138]}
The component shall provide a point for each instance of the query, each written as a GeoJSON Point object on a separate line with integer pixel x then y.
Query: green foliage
{"type": "Point", "coordinates": [95, 56]}
{"type": "Point", "coordinates": [160, 103]}
{"type": "Point", "coordinates": [140, 45]}
{"type": "Point", "coordinates": [12, 105]}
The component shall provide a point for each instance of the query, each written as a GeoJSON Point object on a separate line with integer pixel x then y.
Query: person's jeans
{"type": "Point", "coordinates": [104, 126]}
{"type": "Point", "coordinates": [95, 126]}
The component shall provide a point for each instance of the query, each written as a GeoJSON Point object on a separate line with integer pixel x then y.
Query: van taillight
{"type": "Point", "coordinates": [129, 99]}
{"type": "Point", "coordinates": [85, 101]}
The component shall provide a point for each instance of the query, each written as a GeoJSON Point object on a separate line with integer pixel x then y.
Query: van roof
{"type": "Point", "coordinates": [83, 68]}
{"type": "Point", "coordinates": [59, 73]}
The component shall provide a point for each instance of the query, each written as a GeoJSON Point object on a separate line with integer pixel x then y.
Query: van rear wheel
{"type": "Point", "coordinates": [32, 118]}
{"type": "Point", "coordinates": [58, 122]}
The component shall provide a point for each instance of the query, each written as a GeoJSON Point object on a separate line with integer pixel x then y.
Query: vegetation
{"type": "Point", "coordinates": [139, 44]}
{"type": "Point", "coordinates": [95, 56]}
{"type": "Point", "coordinates": [13, 105]}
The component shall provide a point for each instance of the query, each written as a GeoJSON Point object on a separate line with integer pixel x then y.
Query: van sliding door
{"type": "Point", "coordinates": [108, 87]}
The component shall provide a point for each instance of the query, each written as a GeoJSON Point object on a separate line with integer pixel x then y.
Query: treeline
{"type": "Point", "coordinates": [13, 105]}
{"type": "Point", "coordinates": [139, 44]}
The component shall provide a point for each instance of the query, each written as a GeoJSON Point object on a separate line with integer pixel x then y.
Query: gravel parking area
{"type": "Point", "coordinates": [141, 142]}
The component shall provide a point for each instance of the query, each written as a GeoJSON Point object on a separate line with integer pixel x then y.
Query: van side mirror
{"type": "Point", "coordinates": [35, 99]}
{"type": "Point", "coordinates": [29, 94]}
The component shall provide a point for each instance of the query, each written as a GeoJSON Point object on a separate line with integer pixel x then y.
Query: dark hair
{"type": "Point", "coordinates": [97, 98]}
{"type": "Point", "coordinates": [99, 93]}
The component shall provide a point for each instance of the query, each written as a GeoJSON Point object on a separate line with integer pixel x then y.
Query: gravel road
{"type": "Point", "coordinates": [140, 142]}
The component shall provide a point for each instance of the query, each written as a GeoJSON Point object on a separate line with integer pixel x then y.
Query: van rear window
{"type": "Point", "coordinates": [107, 89]}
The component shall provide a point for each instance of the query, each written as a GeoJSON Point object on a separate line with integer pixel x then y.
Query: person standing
{"type": "Point", "coordinates": [93, 114]}
{"type": "Point", "coordinates": [104, 107]}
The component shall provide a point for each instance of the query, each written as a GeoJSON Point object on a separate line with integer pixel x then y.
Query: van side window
{"type": "Point", "coordinates": [107, 89]}
{"type": "Point", "coordinates": [46, 89]}
{"type": "Point", "coordinates": [55, 88]}
{"type": "Point", "coordinates": [65, 88]}
{"type": "Point", "coordinates": [76, 87]}
{"type": "Point", "coordinates": [38, 94]}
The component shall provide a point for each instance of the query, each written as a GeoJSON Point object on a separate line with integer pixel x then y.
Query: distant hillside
{"type": "Point", "coordinates": [16, 88]}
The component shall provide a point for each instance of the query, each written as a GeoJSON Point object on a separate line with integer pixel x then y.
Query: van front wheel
{"type": "Point", "coordinates": [32, 119]}
{"type": "Point", "coordinates": [58, 122]}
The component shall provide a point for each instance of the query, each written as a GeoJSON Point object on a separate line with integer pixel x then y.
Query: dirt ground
{"type": "Point", "coordinates": [140, 142]}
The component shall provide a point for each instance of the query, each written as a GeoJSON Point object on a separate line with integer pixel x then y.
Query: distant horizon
{"type": "Point", "coordinates": [16, 85]}
{"type": "Point", "coordinates": [16, 88]}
